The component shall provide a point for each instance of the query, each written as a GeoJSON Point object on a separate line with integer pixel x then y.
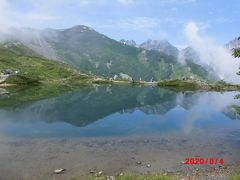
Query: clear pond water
{"type": "Point", "coordinates": [122, 111]}
{"type": "Point", "coordinates": [113, 128]}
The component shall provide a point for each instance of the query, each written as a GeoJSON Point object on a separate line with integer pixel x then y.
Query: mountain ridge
{"type": "Point", "coordinates": [160, 46]}
{"type": "Point", "coordinates": [93, 53]}
{"type": "Point", "coordinates": [23, 68]}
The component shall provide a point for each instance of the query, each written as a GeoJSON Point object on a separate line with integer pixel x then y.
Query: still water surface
{"type": "Point", "coordinates": [113, 128]}
{"type": "Point", "coordinates": [122, 111]}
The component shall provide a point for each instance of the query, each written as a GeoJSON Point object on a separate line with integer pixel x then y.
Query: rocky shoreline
{"type": "Point", "coordinates": [38, 158]}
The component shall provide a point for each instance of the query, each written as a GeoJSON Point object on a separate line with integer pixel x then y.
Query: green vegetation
{"type": "Point", "coordinates": [198, 85]}
{"type": "Point", "coordinates": [94, 53]}
{"type": "Point", "coordinates": [182, 85]}
{"type": "Point", "coordinates": [100, 55]}
{"type": "Point", "coordinates": [236, 52]}
{"type": "Point", "coordinates": [236, 108]}
{"type": "Point", "coordinates": [237, 177]}
{"type": "Point", "coordinates": [36, 70]}
{"type": "Point", "coordinates": [23, 95]}
{"type": "Point", "coordinates": [19, 48]}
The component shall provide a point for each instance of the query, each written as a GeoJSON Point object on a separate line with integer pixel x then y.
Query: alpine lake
{"type": "Point", "coordinates": [115, 129]}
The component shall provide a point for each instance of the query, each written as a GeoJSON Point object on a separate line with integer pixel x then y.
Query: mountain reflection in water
{"type": "Point", "coordinates": [122, 110]}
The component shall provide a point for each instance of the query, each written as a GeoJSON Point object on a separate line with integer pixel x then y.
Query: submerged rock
{"type": "Point", "coordinates": [59, 171]}
{"type": "Point", "coordinates": [91, 171]}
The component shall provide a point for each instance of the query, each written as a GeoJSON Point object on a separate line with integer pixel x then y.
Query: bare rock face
{"type": "Point", "coordinates": [128, 42]}
{"type": "Point", "coordinates": [161, 46]}
{"type": "Point", "coordinates": [125, 76]}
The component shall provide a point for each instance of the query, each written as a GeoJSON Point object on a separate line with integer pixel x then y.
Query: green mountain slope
{"type": "Point", "coordinates": [35, 70]}
{"type": "Point", "coordinates": [95, 53]}
{"type": "Point", "coordinates": [19, 49]}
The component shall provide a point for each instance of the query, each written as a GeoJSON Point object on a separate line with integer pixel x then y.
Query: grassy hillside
{"type": "Point", "coordinates": [18, 48]}
{"type": "Point", "coordinates": [95, 53]}
{"type": "Point", "coordinates": [35, 70]}
{"type": "Point", "coordinates": [198, 85]}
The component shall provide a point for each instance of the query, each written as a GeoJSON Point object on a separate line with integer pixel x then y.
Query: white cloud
{"type": "Point", "coordinates": [40, 13]}
{"type": "Point", "coordinates": [180, 46]}
{"type": "Point", "coordinates": [3, 5]}
{"type": "Point", "coordinates": [5, 13]}
{"type": "Point", "coordinates": [212, 54]}
{"type": "Point", "coordinates": [39, 17]}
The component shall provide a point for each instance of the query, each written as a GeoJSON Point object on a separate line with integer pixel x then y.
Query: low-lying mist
{"type": "Point", "coordinates": [212, 54]}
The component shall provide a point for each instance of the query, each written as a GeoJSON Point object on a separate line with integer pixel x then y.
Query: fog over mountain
{"type": "Point", "coordinates": [212, 54]}
{"type": "Point", "coordinates": [35, 39]}
{"type": "Point", "coordinates": [83, 47]}
{"type": "Point", "coordinates": [216, 58]}
{"type": "Point", "coordinates": [91, 52]}
{"type": "Point", "coordinates": [163, 28]}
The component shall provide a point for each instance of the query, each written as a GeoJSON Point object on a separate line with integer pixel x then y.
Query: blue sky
{"type": "Point", "coordinates": [129, 19]}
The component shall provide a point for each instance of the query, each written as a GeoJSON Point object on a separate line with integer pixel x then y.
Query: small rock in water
{"type": "Point", "coordinates": [98, 174]}
{"type": "Point", "coordinates": [139, 162]}
{"type": "Point", "coordinates": [59, 171]}
{"type": "Point", "coordinates": [91, 171]}
{"type": "Point", "coordinates": [111, 178]}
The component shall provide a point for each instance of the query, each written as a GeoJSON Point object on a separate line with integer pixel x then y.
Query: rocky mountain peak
{"type": "Point", "coordinates": [80, 28]}
{"type": "Point", "coordinates": [128, 42]}
{"type": "Point", "coordinates": [161, 46]}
